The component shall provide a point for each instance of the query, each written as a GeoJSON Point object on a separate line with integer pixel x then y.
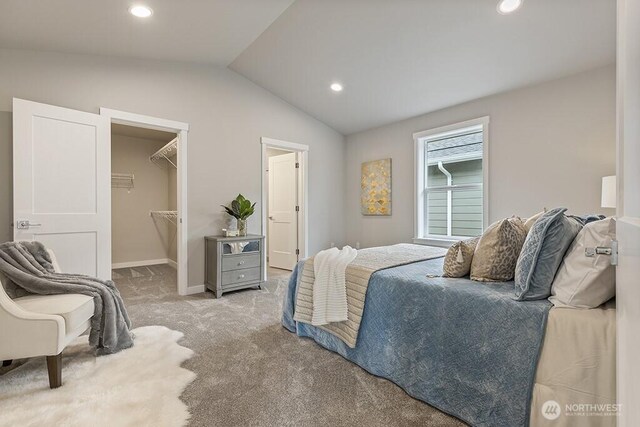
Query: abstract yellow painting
{"type": "Point", "coordinates": [375, 196]}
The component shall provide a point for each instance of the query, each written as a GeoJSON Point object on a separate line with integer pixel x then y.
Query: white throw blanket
{"type": "Point", "coordinates": [329, 287]}
{"type": "Point", "coordinates": [357, 275]}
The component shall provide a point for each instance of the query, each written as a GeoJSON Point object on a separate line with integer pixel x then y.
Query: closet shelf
{"type": "Point", "coordinates": [169, 150]}
{"type": "Point", "coordinates": [171, 216]}
{"type": "Point", "coordinates": [122, 180]}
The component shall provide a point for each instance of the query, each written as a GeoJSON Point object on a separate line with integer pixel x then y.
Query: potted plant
{"type": "Point", "coordinates": [240, 209]}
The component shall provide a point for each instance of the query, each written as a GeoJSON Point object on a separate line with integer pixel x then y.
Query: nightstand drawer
{"type": "Point", "coordinates": [240, 276]}
{"type": "Point", "coordinates": [239, 262]}
{"type": "Point", "coordinates": [233, 263]}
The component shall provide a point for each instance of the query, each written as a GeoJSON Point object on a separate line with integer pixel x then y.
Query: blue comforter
{"type": "Point", "coordinates": [465, 347]}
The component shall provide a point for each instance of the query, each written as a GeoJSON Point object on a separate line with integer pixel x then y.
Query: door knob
{"type": "Point", "coordinates": [271, 218]}
{"type": "Point", "coordinates": [24, 224]}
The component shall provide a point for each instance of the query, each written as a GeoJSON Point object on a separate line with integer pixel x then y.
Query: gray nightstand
{"type": "Point", "coordinates": [233, 263]}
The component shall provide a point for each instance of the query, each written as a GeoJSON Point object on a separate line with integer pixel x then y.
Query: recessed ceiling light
{"type": "Point", "coordinates": [506, 7]}
{"type": "Point", "coordinates": [141, 11]}
{"type": "Point", "coordinates": [336, 87]}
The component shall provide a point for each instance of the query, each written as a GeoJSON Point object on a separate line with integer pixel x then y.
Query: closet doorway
{"type": "Point", "coordinates": [284, 203]}
{"type": "Point", "coordinates": [148, 199]}
{"type": "Point", "coordinates": [143, 203]}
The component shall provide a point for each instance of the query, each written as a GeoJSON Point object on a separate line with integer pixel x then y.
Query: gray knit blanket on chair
{"type": "Point", "coordinates": [29, 270]}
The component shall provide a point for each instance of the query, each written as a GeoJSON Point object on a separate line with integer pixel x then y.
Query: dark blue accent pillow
{"type": "Point", "coordinates": [542, 254]}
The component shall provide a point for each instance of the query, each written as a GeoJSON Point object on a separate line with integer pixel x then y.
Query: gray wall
{"type": "Point", "coordinates": [6, 176]}
{"type": "Point", "coordinates": [550, 145]}
{"type": "Point", "coordinates": [135, 236]}
{"type": "Point", "coordinates": [227, 114]}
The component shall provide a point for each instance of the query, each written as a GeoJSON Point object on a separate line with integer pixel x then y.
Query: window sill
{"type": "Point", "coordinates": [430, 241]}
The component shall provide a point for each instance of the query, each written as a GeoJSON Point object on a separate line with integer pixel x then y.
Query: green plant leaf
{"type": "Point", "coordinates": [241, 208]}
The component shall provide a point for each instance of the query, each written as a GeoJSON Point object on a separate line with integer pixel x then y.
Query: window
{"type": "Point", "coordinates": [451, 182]}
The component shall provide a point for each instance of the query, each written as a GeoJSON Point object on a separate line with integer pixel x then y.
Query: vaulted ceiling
{"type": "Point", "coordinates": [208, 31]}
{"type": "Point", "coordinates": [396, 59]}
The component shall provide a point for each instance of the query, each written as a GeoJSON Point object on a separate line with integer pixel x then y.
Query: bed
{"type": "Point", "coordinates": [470, 350]}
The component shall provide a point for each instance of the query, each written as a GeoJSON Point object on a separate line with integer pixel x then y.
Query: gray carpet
{"type": "Point", "coordinates": [253, 372]}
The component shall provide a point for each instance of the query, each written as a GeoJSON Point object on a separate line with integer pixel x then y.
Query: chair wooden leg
{"type": "Point", "coordinates": [54, 366]}
{"type": "Point", "coordinates": [6, 363]}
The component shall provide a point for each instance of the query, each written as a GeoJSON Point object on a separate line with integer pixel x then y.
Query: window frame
{"type": "Point", "coordinates": [419, 139]}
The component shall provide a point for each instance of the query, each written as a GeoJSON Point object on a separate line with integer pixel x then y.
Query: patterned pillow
{"type": "Point", "coordinates": [542, 254]}
{"type": "Point", "coordinates": [497, 252]}
{"type": "Point", "coordinates": [457, 262]}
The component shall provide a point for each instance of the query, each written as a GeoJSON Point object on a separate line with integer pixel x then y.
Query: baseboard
{"type": "Point", "coordinates": [143, 263]}
{"type": "Point", "coordinates": [195, 289]}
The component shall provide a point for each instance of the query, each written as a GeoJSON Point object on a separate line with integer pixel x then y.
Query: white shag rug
{"type": "Point", "coordinates": [140, 386]}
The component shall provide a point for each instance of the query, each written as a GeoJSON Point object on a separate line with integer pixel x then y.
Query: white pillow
{"type": "Point", "coordinates": [586, 282]}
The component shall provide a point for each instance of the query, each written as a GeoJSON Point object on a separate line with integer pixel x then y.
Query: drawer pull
{"type": "Point", "coordinates": [240, 263]}
{"type": "Point", "coordinates": [241, 276]}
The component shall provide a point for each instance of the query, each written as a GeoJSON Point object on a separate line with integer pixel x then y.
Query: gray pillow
{"type": "Point", "coordinates": [542, 254]}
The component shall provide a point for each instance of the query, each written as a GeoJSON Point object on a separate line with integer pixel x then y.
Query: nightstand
{"type": "Point", "coordinates": [233, 263]}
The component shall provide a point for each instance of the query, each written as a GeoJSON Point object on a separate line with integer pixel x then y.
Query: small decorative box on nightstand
{"type": "Point", "coordinates": [233, 263]}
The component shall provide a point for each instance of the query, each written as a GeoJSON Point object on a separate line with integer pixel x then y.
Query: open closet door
{"type": "Point", "coordinates": [283, 212]}
{"type": "Point", "coordinates": [61, 184]}
{"type": "Point", "coordinates": [628, 224]}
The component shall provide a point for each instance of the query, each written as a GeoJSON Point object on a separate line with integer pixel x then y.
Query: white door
{"type": "Point", "coordinates": [283, 218]}
{"type": "Point", "coordinates": [61, 184]}
{"type": "Point", "coordinates": [628, 224]}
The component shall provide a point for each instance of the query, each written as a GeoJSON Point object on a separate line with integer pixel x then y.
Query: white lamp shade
{"type": "Point", "coordinates": [608, 192]}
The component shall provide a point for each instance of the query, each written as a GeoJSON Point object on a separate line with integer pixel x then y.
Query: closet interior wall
{"type": "Point", "coordinates": [138, 238]}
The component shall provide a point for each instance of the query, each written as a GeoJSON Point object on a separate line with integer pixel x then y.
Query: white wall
{"type": "Point", "coordinates": [135, 236]}
{"type": "Point", "coordinates": [227, 113]}
{"type": "Point", "coordinates": [550, 145]}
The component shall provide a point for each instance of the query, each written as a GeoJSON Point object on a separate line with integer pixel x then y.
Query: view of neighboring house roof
{"type": "Point", "coordinates": [449, 149]}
